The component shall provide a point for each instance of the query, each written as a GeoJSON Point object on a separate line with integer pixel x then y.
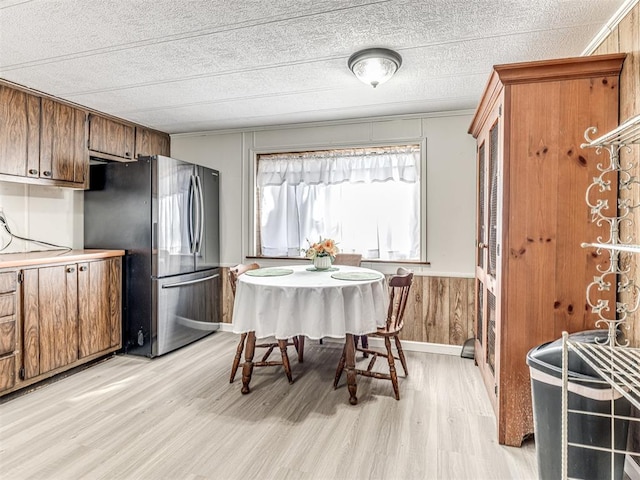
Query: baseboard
{"type": "Point", "coordinates": [408, 345]}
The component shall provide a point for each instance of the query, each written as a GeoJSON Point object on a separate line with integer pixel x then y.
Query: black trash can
{"type": "Point", "coordinates": [545, 367]}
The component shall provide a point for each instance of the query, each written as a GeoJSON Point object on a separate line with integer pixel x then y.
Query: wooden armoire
{"type": "Point", "coordinates": [531, 272]}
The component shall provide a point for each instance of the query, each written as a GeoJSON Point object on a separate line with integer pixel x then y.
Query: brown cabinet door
{"type": "Point", "coordinates": [109, 137]}
{"type": "Point", "coordinates": [8, 329]}
{"type": "Point", "coordinates": [487, 251]}
{"type": "Point", "coordinates": [19, 133]}
{"type": "Point", "coordinates": [150, 142]}
{"type": "Point", "coordinates": [99, 306]}
{"type": "Point", "coordinates": [50, 319]}
{"type": "Point", "coordinates": [63, 152]}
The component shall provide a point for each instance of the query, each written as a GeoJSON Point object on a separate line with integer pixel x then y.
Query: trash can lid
{"type": "Point", "coordinates": [548, 356]}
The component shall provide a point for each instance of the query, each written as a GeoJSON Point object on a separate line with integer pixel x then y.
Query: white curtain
{"type": "Point", "coordinates": [368, 200]}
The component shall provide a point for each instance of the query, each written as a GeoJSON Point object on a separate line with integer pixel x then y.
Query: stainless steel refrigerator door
{"type": "Point", "coordinates": [187, 309]}
{"type": "Point", "coordinates": [174, 220]}
{"type": "Point", "coordinates": [208, 239]}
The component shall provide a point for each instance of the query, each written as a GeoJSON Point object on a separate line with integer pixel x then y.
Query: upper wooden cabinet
{"type": "Point", "coordinates": [110, 139]}
{"type": "Point", "coordinates": [19, 132]}
{"type": "Point", "coordinates": [41, 141]}
{"type": "Point", "coordinates": [63, 149]}
{"type": "Point", "coordinates": [47, 142]}
{"type": "Point", "coordinates": [151, 142]}
{"type": "Point", "coordinates": [531, 273]}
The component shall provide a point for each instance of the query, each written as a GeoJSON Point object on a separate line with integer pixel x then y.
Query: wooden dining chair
{"type": "Point", "coordinates": [399, 287]}
{"type": "Point", "coordinates": [354, 260]}
{"type": "Point", "coordinates": [234, 273]}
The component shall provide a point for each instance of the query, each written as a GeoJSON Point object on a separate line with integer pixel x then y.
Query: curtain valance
{"type": "Point", "coordinates": [333, 167]}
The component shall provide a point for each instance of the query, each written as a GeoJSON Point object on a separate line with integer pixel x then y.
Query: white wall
{"type": "Point", "coordinates": [50, 214]}
{"type": "Point", "coordinates": [450, 177]}
{"type": "Point", "coordinates": [55, 214]}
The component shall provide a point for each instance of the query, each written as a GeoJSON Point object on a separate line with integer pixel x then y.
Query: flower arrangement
{"type": "Point", "coordinates": [323, 248]}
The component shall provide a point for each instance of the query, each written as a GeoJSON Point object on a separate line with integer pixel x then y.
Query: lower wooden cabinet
{"type": "Point", "coordinates": [71, 314]}
{"type": "Point", "coordinates": [99, 305]}
{"type": "Point", "coordinates": [8, 330]}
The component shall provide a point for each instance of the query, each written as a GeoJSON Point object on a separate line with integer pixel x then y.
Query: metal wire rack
{"type": "Point", "coordinates": [613, 362]}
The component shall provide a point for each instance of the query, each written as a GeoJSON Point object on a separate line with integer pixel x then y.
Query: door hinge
{"type": "Point", "coordinates": [21, 373]}
{"type": "Point", "coordinates": [495, 389]}
{"type": "Point", "coordinates": [500, 111]}
{"type": "Point", "coordinates": [498, 249]}
{"type": "Point", "coordinates": [20, 277]}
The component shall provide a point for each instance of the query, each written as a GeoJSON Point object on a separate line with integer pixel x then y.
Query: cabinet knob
{"type": "Point", "coordinates": [71, 270]}
{"type": "Point", "coordinates": [33, 171]}
{"type": "Point", "coordinates": [127, 154]}
{"type": "Point", "coordinates": [482, 245]}
{"type": "Point", "coordinates": [46, 173]}
{"type": "Point", "coordinates": [83, 268]}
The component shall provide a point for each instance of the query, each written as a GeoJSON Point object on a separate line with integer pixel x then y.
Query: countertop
{"type": "Point", "coordinates": [9, 260]}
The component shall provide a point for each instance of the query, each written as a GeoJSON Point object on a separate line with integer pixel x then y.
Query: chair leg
{"type": "Point", "coordinates": [401, 355]}
{"type": "Point", "coordinates": [365, 344]}
{"type": "Point", "coordinates": [236, 359]}
{"type": "Point", "coordinates": [340, 368]}
{"type": "Point", "coordinates": [285, 359]}
{"type": "Point", "coordinates": [247, 367]}
{"type": "Point", "coordinates": [300, 348]}
{"type": "Point", "coordinates": [392, 368]}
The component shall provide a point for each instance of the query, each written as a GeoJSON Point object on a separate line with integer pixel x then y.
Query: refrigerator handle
{"type": "Point", "coordinates": [190, 219]}
{"type": "Point", "coordinates": [198, 245]}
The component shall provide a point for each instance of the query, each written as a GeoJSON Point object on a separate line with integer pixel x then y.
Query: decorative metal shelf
{"type": "Point", "coordinates": [608, 246]}
{"type": "Point", "coordinates": [626, 134]}
{"type": "Point", "coordinates": [613, 362]}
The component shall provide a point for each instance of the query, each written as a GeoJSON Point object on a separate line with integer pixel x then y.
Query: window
{"type": "Point", "coordinates": [367, 199]}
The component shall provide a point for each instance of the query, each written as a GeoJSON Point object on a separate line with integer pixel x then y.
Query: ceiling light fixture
{"type": "Point", "coordinates": [374, 66]}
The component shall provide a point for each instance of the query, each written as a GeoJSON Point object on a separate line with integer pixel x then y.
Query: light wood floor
{"type": "Point", "coordinates": [177, 417]}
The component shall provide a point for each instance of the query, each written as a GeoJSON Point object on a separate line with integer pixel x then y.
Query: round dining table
{"type": "Point", "coordinates": [285, 302]}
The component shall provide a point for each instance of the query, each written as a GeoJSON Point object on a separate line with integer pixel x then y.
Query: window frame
{"type": "Point", "coordinates": [252, 193]}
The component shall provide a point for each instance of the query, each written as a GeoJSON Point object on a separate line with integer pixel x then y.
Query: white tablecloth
{"type": "Point", "coordinates": [309, 303]}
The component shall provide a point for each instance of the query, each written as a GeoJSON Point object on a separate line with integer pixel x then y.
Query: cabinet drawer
{"type": "Point", "coordinates": [7, 304]}
{"type": "Point", "coordinates": [7, 372]}
{"type": "Point", "coordinates": [7, 335]}
{"type": "Point", "coordinates": [8, 282]}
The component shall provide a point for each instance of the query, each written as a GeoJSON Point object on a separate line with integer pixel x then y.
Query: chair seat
{"type": "Point", "coordinates": [387, 331]}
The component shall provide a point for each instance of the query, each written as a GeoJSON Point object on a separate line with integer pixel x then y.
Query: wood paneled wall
{"type": "Point", "coordinates": [625, 38]}
{"type": "Point", "coordinates": [440, 309]}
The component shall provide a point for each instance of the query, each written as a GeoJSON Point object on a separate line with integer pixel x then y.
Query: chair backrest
{"type": "Point", "coordinates": [352, 259]}
{"type": "Point", "coordinates": [235, 272]}
{"type": "Point", "coordinates": [399, 286]}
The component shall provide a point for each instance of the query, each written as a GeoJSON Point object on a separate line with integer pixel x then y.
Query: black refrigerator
{"type": "Point", "coordinates": [164, 213]}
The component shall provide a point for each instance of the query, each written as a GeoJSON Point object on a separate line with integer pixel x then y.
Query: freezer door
{"type": "Point", "coordinates": [187, 309]}
{"type": "Point", "coordinates": [174, 216]}
{"type": "Point", "coordinates": [207, 249]}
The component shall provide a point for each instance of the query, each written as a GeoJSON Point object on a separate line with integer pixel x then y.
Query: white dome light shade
{"type": "Point", "coordinates": [374, 66]}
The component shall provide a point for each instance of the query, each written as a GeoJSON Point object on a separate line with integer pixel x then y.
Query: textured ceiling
{"type": "Point", "coordinates": [196, 65]}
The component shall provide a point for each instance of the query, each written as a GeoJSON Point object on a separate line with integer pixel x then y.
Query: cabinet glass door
{"type": "Point", "coordinates": [487, 251]}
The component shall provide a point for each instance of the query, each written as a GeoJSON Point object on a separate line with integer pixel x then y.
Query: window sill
{"type": "Point", "coordinates": [364, 260]}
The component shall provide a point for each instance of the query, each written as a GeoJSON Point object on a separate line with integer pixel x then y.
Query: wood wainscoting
{"type": "Point", "coordinates": [440, 309]}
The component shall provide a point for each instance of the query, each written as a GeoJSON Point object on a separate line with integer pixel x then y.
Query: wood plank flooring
{"type": "Point", "coordinates": [177, 417]}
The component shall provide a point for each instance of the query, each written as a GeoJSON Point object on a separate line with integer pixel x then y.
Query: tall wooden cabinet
{"type": "Point", "coordinates": [531, 271]}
